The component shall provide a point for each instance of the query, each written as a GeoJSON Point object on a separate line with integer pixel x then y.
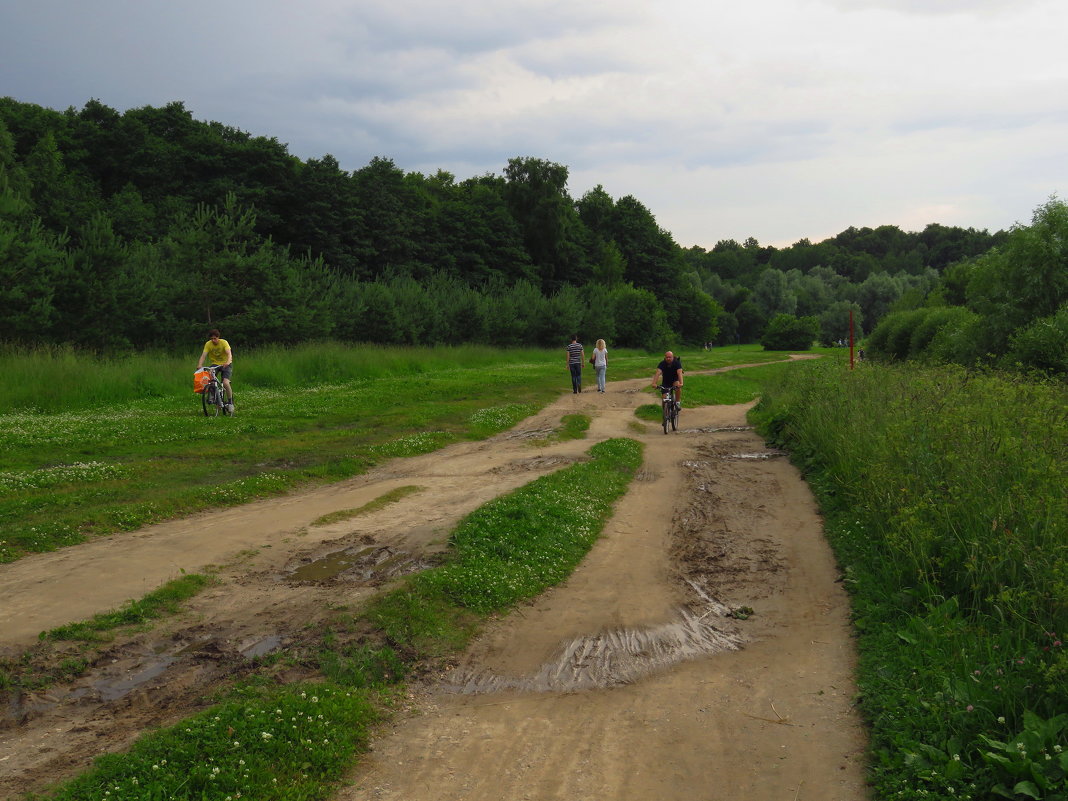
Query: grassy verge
{"type": "Point", "coordinates": [380, 502]}
{"type": "Point", "coordinates": [943, 492]}
{"type": "Point", "coordinates": [105, 446]}
{"type": "Point", "coordinates": [265, 742]}
{"type": "Point", "coordinates": [268, 742]}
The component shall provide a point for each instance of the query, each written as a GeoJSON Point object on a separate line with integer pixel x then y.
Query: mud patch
{"type": "Point", "coordinates": [531, 433]}
{"type": "Point", "coordinates": [366, 564]}
{"type": "Point", "coordinates": [535, 463]}
{"type": "Point", "coordinates": [757, 455]}
{"type": "Point", "coordinates": [115, 686]}
{"type": "Point", "coordinates": [728, 559]}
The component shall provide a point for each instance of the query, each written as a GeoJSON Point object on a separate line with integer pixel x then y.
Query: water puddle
{"type": "Point", "coordinates": [116, 682]}
{"type": "Point", "coordinates": [359, 563]}
{"type": "Point", "coordinates": [261, 646]}
{"type": "Point", "coordinates": [193, 647]}
{"type": "Point", "coordinates": [615, 657]}
{"type": "Point", "coordinates": [112, 688]}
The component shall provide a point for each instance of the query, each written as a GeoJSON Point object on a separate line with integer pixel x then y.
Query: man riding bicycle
{"type": "Point", "coordinates": [218, 351]}
{"type": "Point", "coordinates": [669, 374]}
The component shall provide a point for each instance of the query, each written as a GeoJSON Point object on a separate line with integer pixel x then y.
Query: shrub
{"type": "Point", "coordinates": [892, 336]}
{"type": "Point", "coordinates": [935, 320]}
{"type": "Point", "coordinates": [959, 340]}
{"type": "Point", "coordinates": [786, 332]}
{"type": "Point", "coordinates": [1043, 344]}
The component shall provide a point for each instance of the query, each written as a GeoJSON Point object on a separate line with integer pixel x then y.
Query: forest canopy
{"type": "Point", "coordinates": [144, 228]}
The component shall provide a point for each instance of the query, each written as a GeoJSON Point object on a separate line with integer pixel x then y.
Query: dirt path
{"type": "Point", "coordinates": [629, 681]}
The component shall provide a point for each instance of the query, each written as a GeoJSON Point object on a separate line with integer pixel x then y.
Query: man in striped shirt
{"type": "Point", "coordinates": [576, 355]}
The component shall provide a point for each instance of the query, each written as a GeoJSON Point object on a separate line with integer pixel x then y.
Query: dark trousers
{"type": "Point", "coordinates": [576, 377]}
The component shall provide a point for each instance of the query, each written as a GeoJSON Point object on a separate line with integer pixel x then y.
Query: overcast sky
{"type": "Point", "coordinates": [777, 119]}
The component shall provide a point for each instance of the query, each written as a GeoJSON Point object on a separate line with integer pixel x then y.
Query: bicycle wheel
{"type": "Point", "coordinates": [212, 400]}
{"type": "Point", "coordinates": [667, 414]}
{"type": "Point", "coordinates": [674, 417]}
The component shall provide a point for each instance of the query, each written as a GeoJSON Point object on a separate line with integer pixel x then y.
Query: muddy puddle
{"type": "Point", "coordinates": [114, 687]}
{"type": "Point", "coordinates": [366, 563]}
{"type": "Point", "coordinates": [113, 682]}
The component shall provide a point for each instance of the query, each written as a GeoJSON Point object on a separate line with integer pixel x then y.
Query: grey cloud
{"type": "Point", "coordinates": [475, 26]}
{"type": "Point", "coordinates": [937, 7]}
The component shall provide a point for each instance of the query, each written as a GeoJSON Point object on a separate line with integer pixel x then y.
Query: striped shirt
{"type": "Point", "coordinates": [574, 353]}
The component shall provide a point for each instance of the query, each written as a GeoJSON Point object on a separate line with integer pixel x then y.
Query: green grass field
{"type": "Point", "coordinates": [92, 446]}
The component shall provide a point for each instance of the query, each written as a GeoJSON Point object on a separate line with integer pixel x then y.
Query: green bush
{"type": "Point", "coordinates": [960, 340]}
{"type": "Point", "coordinates": [892, 336]}
{"type": "Point", "coordinates": [934, 322]}
{"type": "Point", "coordinates": [786, 332]}
{"type": "Point", "coordinates": [1043, 345]}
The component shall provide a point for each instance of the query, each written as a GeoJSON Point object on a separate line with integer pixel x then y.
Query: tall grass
{"type": "Point", "coordinates": [944, 492]}
{"type": "Point", "coordinates": [54, 378]}
{"type": "Point", "coordinates": [48, 378]}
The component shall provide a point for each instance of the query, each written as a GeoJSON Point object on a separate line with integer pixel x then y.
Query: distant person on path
{"type": "Point", "coordinates": [669, 374]}
{"type": "Point", "coordinates": [600, 363]}
{"type": "Point", "coordinates": [218, 351]}
{"type": "Point", "coordinates": [575, 356]}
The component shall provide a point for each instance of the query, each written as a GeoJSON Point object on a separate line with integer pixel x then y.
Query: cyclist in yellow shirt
{"type": "Point", "coordinates": [218, 351]}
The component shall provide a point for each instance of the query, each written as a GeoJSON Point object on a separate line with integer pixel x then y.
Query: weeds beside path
{"type": "Point", "coordinates": [944, 491]}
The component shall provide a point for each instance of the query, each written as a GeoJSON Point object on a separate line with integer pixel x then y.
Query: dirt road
{"type": "Point", "coordinates": [636, 679]}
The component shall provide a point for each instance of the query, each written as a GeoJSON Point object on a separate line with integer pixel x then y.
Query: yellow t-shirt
{"type": "Point", "coordinates": [216, 353]}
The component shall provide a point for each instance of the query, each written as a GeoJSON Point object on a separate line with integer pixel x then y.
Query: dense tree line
{"type": "Point", "coordinates": [145, 227]}
{"type": "Point", "coordinates": [1007, 307]}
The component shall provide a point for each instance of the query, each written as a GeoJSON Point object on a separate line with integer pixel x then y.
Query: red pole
{"type": "Point", "coordinates": [850, 339]}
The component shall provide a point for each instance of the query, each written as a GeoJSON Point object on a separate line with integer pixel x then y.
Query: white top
{"type": "Point", "coordinates": [600, 357]}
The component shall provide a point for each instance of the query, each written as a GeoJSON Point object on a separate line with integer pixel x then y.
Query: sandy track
{"type": "Point", "coordinates": [628, 681]}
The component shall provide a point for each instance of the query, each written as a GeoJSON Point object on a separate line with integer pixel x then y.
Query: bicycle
{"type": "Point", "coordinates": [213, 398]}
{"type": "Point", "coordinates": [670, 407]}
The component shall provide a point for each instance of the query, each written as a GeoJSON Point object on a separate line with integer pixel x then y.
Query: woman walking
{"type": "Point", "coordinates": [600, 363]}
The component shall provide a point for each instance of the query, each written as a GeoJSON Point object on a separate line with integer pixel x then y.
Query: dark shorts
{"type": "Point", "coordinates": [224, 370]}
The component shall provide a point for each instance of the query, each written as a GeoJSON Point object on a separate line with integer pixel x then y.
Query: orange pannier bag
{"type": "Point", "coordinates": [201, 378]}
